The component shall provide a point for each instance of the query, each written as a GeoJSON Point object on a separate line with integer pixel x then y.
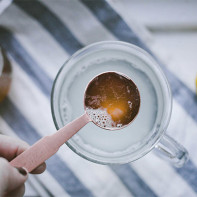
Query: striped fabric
{"type": "Point", "coordinates": [39, 36]}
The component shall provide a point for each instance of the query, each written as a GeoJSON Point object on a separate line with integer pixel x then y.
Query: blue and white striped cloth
{"type": "Point", "coordinates": [39, 36]}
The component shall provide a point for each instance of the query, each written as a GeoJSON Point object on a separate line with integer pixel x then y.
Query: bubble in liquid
{"type": "Point", "coordinates": [130, 104]}
{"type": "Point", "coordinates": [101, 117]}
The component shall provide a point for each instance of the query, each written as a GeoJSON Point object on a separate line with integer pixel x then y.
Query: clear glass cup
{"type": "Point", "coordinates": [148, 129]}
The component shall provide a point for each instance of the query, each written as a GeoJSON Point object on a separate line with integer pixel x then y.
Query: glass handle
{"type": "Point", "coordinates": [172, 151]}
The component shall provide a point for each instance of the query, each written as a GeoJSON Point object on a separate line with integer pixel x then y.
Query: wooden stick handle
{"type": "Point", "coordinates": [49, 145]}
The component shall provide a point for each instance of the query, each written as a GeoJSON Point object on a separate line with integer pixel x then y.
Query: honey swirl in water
{"type": "Point", "coordinates": [112, 100]}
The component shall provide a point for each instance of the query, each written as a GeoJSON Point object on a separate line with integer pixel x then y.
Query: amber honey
{"type": "Point", "coordinates": [5, 76]}
{"type": "Point", "coordinates": [112, 100]}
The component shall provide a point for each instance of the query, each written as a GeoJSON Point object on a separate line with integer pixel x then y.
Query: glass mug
{"type": "Point", "coordinates": [145, 133]}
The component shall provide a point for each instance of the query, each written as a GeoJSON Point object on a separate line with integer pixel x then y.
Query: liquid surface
{"type": "Point", "coordinates": [112, 100]}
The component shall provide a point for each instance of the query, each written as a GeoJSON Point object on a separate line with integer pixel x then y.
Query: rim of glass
{"type": "Point", "coordinates": [102, 45]}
